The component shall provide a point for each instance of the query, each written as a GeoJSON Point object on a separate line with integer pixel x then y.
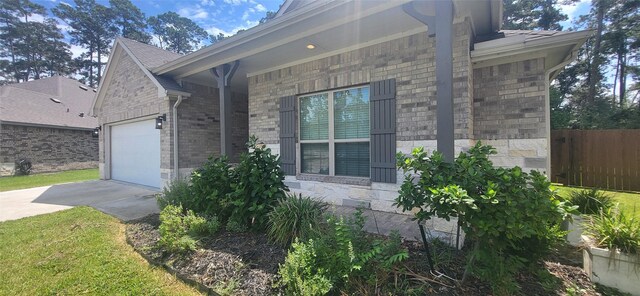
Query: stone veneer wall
{"type": "Point", "coordinates": [411, 61]}
{"type": "Point", "coordinates": [502, 105]}
{"type": "Point", "coordinates": [509, 112]}
{"type": "Point", "coordinates": [49, 149]}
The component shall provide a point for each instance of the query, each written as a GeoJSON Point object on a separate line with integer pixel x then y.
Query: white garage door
{"type": "Point", "coordinates": [135, 153]}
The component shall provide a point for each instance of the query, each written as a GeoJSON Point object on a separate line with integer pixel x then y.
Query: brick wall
{"type": "Point", "coordinates": [509, 110]}
{"type": "Point", "coordinates": [509, 101]}
{"type": "Point", "coordinates": [131, 94]}
{"type": "Point", "coordinates": [411, 60]}
{"type": "Point", "coordinates": [49, 149]}
{"type": "Point", "coordinates": [199, 125]}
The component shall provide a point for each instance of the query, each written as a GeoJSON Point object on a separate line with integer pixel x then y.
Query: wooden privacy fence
{"type": "Point", "coordinates": [607, 159]}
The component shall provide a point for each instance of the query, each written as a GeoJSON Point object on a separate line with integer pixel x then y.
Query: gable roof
{"type": "Point", "coordinates": [54, 101]}
{"type": "Point", "coordinates": [150, 56]}
{"type": "Point", "coordinates": [146, 57]}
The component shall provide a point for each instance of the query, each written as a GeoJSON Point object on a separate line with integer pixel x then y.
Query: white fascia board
{"type": "Point", "coordinates": [517, 45]}
{"type": "Point", "coordinates": [287, 21]}
{"type": "Point", "coordinates": [178, 93]}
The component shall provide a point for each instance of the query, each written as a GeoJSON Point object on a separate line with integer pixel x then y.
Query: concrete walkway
{"type": "Point", "coordinates": [122, 200]}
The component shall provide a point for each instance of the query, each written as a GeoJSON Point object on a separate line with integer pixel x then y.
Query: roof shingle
{"type": "Point", "coordinates": [31, 103]}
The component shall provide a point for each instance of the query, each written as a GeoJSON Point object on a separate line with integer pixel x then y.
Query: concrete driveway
{"type": "Point", "coordinates": [122, 200]}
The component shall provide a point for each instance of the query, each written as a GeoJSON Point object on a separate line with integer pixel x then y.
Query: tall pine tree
{"type": "Point", "coordinates": [34, 49]}
{"type": "Point", "coordinates": [92, 27]}
{"type": "Point", "coordinates": [176, 33]}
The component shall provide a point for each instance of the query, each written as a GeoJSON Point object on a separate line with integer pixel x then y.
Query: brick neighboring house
{"type": "Point", "coordinates": [47, 121]}
{"type": "Point", "coordinates": [337, 88]}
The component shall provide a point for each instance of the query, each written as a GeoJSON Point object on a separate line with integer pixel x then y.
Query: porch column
{"type": "Point", "coordinates": [223, 75]}
{"type": "Point", "coordinates": [441, 25]}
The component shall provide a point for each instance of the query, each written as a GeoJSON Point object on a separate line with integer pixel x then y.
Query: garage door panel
{"type": "Point", "coordinates": [135, 153]}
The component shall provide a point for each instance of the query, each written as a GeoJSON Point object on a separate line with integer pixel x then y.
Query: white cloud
{"type": "Point", "coordinates": [36, 18]}
{"type": "Point", "coordinates": [215, 31]}
{"type": "Point", "coordinates": [571, 9]}
{"type": "Point", "coordinates": [235, 2]}
{"type": "Point", "coordinates": [260, 8]}
{"type": "Point", "coordinates": [76, 50]}
{"type": "Point", "coordinates": [245, 16]}
{"type": "Point", "coordinates": [193, 12]}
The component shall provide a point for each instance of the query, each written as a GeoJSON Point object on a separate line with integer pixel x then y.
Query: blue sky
{"type": "Point", "coordinates": [229, 16]}
{"type": "Point", "coordinates": [215, 16]}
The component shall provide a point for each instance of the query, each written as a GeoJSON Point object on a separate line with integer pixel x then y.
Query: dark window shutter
{"type": "Point", "coordinates": [383, 131]}
{"type": "Point", "coordinates": [288, 134]}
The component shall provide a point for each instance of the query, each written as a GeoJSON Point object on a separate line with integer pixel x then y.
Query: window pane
{"type": "Point", "coordinates": [314, 117]}
{"type": "Point", "coordinates": [352, 159]}
{"type": "Point", "coordinates": [351, 110]}
{"type": "Point", "coordinates": [315, 158]}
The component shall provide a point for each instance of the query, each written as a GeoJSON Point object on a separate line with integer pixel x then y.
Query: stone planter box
{"type": "Point", "coordinates": [574, 237]}
{"type": "Point", "coordinates": [618, 270]}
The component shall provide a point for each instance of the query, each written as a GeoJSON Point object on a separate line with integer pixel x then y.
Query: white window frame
{"type": "Point", "coordinates": [331, 132]}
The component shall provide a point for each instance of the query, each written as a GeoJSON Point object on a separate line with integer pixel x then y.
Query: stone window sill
{"type": "Point", "coordinates": [360, 181]}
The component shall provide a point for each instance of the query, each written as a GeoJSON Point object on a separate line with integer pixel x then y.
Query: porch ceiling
{"type": "Point", "coordinates": [331, 27]}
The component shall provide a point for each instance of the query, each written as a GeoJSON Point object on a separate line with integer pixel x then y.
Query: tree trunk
{"type": "Point", "coordinates": [99, 65]}
{"type": "Point", "coordinates": [91, 65]}
{"type": "Point", "coordinates": [595, 65]}
{"type": "Point", "coordinates": [623, 80]}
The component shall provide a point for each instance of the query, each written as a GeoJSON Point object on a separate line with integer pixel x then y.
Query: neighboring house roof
{"type": "Point", "coordinates": [54, 101]}
{"type": "Point", "coordinates": [146, 57]}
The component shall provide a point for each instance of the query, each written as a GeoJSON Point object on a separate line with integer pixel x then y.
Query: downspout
{"type": "Point", "coordinates": [547, 86]}
{"type": "Point", "coordinates": [176, 173]}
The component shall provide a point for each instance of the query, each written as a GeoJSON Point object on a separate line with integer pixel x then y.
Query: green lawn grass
{"type": "Point", "coordinates": [37, 180]}
{"type": "Point", "coordinates": [628, 202]}
{"type": "Point", "coordinates": [77, 251]}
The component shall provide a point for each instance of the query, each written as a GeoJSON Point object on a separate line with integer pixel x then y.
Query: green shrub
{"type": "Point", "coordinates": [591, 202]}
{"type": "Point", "coordinates": [498, 208]}
{"type": "Point", "coordinates": [299, 275]}
{"type": "Point", "coordinates": [615, 231]}
{"type": "Point", "coordinates": [258, 184]}
{"type": "Point", "coordinates": [210, 185]}
{"type": "Point", "coordinates": [177, 193]}
{"type": "Point", "coordinates": [343, 259]}
{"type": "Point", "coordinates": [236, 226]}
{"type": "Point", "coordinates": [179, 230]}
{"type": "Point", "coordinates": [295, 217]}
{"type": "Point", "coordinates": [202, 226]}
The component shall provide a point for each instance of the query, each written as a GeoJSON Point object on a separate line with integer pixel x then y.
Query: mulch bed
{"type": "Point", "coordinates": [247, 264]}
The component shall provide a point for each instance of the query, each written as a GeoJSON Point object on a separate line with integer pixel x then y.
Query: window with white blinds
{"type": "Point", "coordinates": [334, 133]}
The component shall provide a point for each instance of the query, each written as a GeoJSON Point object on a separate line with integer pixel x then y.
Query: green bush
{"type": "Point", "coordinates": [258, 184]}
{"type": "Point", "coordinates": [299, 274]}
{"type": "Point", "coordinates": [179, 230]}
{"type": "Point", "coordinates": [210, 185]}
{"type": "Point", "coordinates": [615, 231]}
{"type": "Point", "coordinates": [591, 202]}
{"type": "Point", "coordinates": [177, 193]}
{"type": "Point", "coordinates": [343, 259]}
{"type": "Point", "coordinates": [295, 217]}
{"type": "Point", "coordinates": [498, 208]}
{"type": "Point", "coordinates": [236, 226]}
